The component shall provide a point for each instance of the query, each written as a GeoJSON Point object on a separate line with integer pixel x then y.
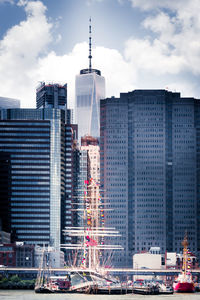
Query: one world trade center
{"type": "Point", "coordinates": [90, 88]}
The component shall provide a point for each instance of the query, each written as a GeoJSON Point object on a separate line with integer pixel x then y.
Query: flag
{"type": "Point", "coordinates": [90, 242]}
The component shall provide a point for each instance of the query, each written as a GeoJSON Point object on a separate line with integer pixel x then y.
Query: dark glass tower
{"type": "Point", "coordinates": [150, 169]}
{"type": "Point", "coordinates": [51, 96]}
{"type": "Point", "coordinates": [5, 185]}
{"type": "Point", "coordinates": [37, 153]}
{"type": "Point", "coordinates": [35, 139]}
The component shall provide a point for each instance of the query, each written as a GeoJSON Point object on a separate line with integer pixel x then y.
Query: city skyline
{"type": "Point", "coordinates": [136, 45]}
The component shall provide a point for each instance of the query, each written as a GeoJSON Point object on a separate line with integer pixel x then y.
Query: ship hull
{"type": "Point", "coordinates": [43, 290]}
{"type": "Point", "coordinates": [184, 287]}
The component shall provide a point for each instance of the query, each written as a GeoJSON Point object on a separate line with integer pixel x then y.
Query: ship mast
{"type": "Point", "coordinates": [92, 232]}
{"type": "Point", "coordinates": [185, 254]}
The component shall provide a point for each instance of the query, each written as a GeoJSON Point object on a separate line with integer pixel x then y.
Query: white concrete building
{"type": "Point", "coordinates": [56, 257]}
{"type": "Point", "coordinates": [147, 261]}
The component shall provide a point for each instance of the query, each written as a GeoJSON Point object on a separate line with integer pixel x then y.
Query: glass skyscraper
{"type": "Point", "coordinates": [51, 95]}
{"type": "Point", "coordinates": [34, 140]}
{"type": "Point", "coordinates": [150, 171]}
{"type": "Point", "coordinates": [38, 146]}
{"type": "Point", "coordinates": [90, 88]}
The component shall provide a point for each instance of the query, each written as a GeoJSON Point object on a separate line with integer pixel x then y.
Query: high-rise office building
{"type": "Point", "coordinates": [150, 171]}
{"type": "Point", "coordinates": [69, 216]}
{"type": "Point", "coordinates": [35, 141]}
{"type": "Point", "coordinates": [91, 144]}
{"type": "Point", "coordinates": [51, 95]}
{"type": "Point", "coordinates": [5, 183]}
{"type": "Point", "coordinates": [37, 147]}
{"type": "Point", "coordinates": [90, 88]}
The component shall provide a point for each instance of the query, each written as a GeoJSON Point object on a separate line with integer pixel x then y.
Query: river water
{"type": "Point", "coordinates": [30, 295]}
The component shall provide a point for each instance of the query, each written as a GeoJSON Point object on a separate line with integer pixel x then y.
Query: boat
{"type": "Point", "coordinates": [42, 284]}
{"type": "Point", "coordinates": [146, 290]}
{"type": "Point", "coordinates": [94, 283]}
{"type": "Point", "coordinates": [165, 289]}
{"type": "Point", "coordinates": [145, 287]}
{"type": "Point", "coordinates": [90, 244]}
{"type": "Point", "coordinates": [46, 283]}
{"type": "Point", "coordinates": [184, 282]}
{"type": "Point", "coordinates": [91, 277]}
{"type": "Point", "coordinates": [184, 286]}
{"type": "Point", "coordinates": [60, 284]}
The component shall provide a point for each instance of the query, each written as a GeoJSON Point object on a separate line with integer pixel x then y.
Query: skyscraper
{"type": "Point", "coordinates": [33, 138]}
{"type": "Point", "coordinates": [69, 217]}
{"type": "Point", "coordinates": [51, 95]}
{"type": "Point", "coordinates": [37, 147]}
{"type": "Point", "coordinates": [150, 170]}
{"type": "Point", "coordinates": [5, 183]}
{"type": "Point", "coordinates": [90, 88]}
{"type": "Point", "coordinates": [91, 146]}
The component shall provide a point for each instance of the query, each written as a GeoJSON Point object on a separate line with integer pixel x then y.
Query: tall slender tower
{"type": "Point", "coordinates": [90, 88]}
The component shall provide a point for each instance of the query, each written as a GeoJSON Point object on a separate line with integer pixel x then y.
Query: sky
{"type": "Point", "coordinates": [137, 44]}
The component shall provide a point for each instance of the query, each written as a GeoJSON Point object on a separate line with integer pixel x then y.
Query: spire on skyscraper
{"type": "Point", "coordinates": [90, 88]}
{"type": "Point", "coordinates": [90, 70]}
{"type": "Point", "coordinates": [90, 46]}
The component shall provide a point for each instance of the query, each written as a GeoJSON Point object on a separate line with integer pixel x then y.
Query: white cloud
{"type": "Point", "coordinates": [20, 49]}
{"type": "Point", "coordinates": [187, 89]}
{"type": "Point", "coordinates": [25, 58]}
{"type": "Point", "coordinates": [176, 35]}
{"type": "Point", "coordinates": [118, 73]}
{"type": "Point", "coordinates": [155, 57]}
{"type": "Point", "coordinates": [156, 4]}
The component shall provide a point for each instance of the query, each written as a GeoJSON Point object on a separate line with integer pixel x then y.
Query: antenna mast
{"type": "Point", "coordinates": [90, 46]}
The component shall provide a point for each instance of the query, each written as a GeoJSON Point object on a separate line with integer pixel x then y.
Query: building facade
{"type": "Point", "coordinates": [55, 257]}
{"type": "Point", "coordinates": [5, 183]}
{"type": "Point", "coordinates": [90, 88]}
{"type": "Point", "coordinates": [51, 95]}
{"type": "Point", "coordinates": [91, 144]}
{"type": "Point", "coordinates": [37, 168]}
{"type": "Point", "coordinates": [69, 217]}
{"type": "Point", "coordinates": [149, 170]}
{"type": "Point", "coordinates": [35, 140]}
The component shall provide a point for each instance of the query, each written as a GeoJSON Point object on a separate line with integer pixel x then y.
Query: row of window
{"type": "Point", "coordinates": [31, 179]}
{"type": "Point", "coordinates": [32, 188]}
{"type": "Point", "coordinates": [24, 209]}
{"type": "Point", "coordinates": [21, 134]}
{"type": "Point", "coordinates": [31, 204]}
{"type": "Point", "coordinates": [30, 226]}
{"type": "Point", "coordinates": [31, 191]}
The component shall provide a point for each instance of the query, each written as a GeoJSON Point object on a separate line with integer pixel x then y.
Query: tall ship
{"type": "Point", "coordinates": [90, 244]}
{"type": "Point", "coordinates": [184, 282]}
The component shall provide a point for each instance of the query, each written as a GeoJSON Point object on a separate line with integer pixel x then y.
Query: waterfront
{"type": "Point", "coordinates": [30, 295]}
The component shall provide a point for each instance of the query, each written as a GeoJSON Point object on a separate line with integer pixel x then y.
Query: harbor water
{"type": "Point", "coordinates": [30, 295]}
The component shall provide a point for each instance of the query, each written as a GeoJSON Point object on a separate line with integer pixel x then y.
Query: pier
{"type": "Point", "coordinates": [32, 272]}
